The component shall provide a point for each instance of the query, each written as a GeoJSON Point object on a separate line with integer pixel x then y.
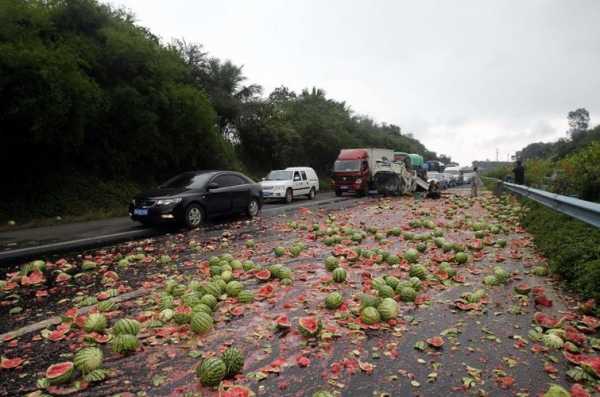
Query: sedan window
{"type": "Point", "coordinates": [188, 180]}
{"type": "Point", "coordinates": [229, 180]}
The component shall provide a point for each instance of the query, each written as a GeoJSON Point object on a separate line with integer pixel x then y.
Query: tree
{"type": "Point", "coordinates": [579, 121]}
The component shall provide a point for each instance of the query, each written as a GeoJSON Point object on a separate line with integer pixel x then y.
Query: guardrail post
{"type": "Point", "coordinates": [499, 188]}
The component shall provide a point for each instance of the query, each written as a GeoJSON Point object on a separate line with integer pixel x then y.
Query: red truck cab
{"type": "Point", "coordinates": [351, 172]}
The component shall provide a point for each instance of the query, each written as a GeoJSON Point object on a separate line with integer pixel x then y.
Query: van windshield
{"type": "Point", "coordinates": [279, 176]}
{"type": "Point", "coordinates": [346, 166]}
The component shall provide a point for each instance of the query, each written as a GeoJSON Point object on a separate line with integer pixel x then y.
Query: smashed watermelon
{"type": "Point", "coordinates": [309, 326]}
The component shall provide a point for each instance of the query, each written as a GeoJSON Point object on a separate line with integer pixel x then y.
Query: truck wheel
{"type": "Point", "coordinates": [312, 194]}
{"type": "Point", "coordinates": [338, 193]}
{"type": "Point", "coordinates": [289, 196]}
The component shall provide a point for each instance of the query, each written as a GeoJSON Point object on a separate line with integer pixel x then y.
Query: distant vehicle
{"type": "Point", "coordinates": [289, 183]}
{"type": "Point", "coordinates": [451, 179]}
{"type": "Point", "coordinates": [414, 162]}
{"type": "Point", "coordinates": [456, 174]}
{"type": "Point", "coordinates": [439, 178]}
{"type": "Point", "coordinates": [434, 165]}
{"type": "Point", "coordinates": [192, 197]}
{"type": "Point", "coordinates": [392, 178]}
{"type": "Point", "coordinates": [354, 169]}
{"type": "Point", "coordinates": [467, 173]}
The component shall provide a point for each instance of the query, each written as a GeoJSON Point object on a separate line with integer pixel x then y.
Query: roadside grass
{"type": "Point", "coordinates": [325, 184]}
{"type": "Point", "coordinates": [66, 200]}
{"type": "Point", "coordinates": [571, 247]}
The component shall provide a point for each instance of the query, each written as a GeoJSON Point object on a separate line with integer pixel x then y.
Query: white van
{"type": "Point", "coordinates": [289, 183]}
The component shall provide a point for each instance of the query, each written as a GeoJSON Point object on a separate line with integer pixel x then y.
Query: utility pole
{"type": "Point", "coordinates": [497, 154]}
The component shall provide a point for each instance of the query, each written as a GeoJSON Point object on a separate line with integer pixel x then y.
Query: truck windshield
{"type": "Point", "coordinates": [346, 165]}
{"type": "Point", "coordinates": [279, 176]}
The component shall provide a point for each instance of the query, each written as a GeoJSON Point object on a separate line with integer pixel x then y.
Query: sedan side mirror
{"type": "Point", "coordinates": [213, 185]}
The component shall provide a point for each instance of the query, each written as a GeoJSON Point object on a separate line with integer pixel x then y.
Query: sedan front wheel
{"type": "Point", "coordinates": [194, 216]}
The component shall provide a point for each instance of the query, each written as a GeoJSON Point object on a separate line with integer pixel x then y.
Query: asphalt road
{"type": "Point", "coordinates": [485, 349]}
{"type": "Point", "coordinates": [26, 243]}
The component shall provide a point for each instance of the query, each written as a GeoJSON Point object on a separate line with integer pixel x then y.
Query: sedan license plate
{"type": "Point", "coordinates": [140, 211]}
{"type": "Point", "coordinates": [344, 187]}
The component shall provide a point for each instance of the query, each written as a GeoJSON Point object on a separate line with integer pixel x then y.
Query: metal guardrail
{"type": "Point", "coordinates": [582, 210]}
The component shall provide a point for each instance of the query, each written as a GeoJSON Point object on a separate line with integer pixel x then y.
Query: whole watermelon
{"type": "Point", "coordinates": [126, 326]}
{"type": "Point", "coordinates": [124, 343]}
{"type": "Point", "coordinates": [411, 255]}
{"type": "Point", "coordinates": [234, 288]}
{"type": "Point", "coordinates": [88, 359]}
{"type": "Point", "coordinates": [95, 322]}
{"type": "Point", "coordinates": [419, 271]}
{"type": "Point", "coordinates": [201, 322]}
{"type": "Point", "coordinates": [201, 307]}
{"type": "Point", "coordinates": [367, 300]}
{"type": "Point", "coordinates": [211, 371]}
{"type": "Point", "coordinates": [334, 300]}
{"type": "Point", "coordinates": [209, 300]}
{"type": "Point", "coordinates": [331, 263]}
{"type": "Point", "coordinates": [385, 291]}
{"type": "Point", "coordinates": [245, 296]}
{"type": "Point", "coordinates": [407, 294]}
{"type": "Point", "coordinates": [234, 361]}
{"type": "Point", "coordinates": [392, 281]}
{"type": "Point", "coordinates": [388, 309]}
{"type": "Point", "coordinates": [370, 315]}
{"type": "Point", "coordinates": [339, 275]}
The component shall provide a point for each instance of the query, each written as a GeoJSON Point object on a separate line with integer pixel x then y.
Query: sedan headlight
{"type": "Point", "coordinates": [169, 201]}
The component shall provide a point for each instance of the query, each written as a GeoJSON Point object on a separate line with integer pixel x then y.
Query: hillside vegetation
{"type": "Point", "coordinates": [569, 166]}
{"type": "Point", "coordinates": [94, 107]}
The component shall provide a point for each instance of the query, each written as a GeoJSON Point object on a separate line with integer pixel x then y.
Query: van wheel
{"type": "Point", "coordinates": [289, 196]}
{"type": "Point", "coordinates": [312, 194]}
{"type": "Point", "coordinates": [194, 216]}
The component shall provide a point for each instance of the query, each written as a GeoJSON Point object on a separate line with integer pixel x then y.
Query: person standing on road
{"type": "Point", "coordinates": [475, 182]}
{"type": "Point", "coordinates": [519, 172]}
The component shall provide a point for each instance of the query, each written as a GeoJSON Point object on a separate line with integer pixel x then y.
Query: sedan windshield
{"type": "Point", "coordinates": [279, 176]}
{"type": "Point", "coordinates": [187, 180]}
{"type": "Point", "coordinates": [346, 165]}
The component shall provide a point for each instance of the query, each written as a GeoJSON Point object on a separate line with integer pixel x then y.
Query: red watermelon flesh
{"type": "Point", "coordinates": [309, 325]}
{"type": "Point", "coordinates": [59, 373]}
{"type": "Point", "coordinates": [264, 275]}
{"type": "Point", "coordinates": [436, 342]}
{"type": "Point", "coordinates": [545, 320]}
{"type": "Point", "coordinates": [282, 321]}
{"type": "Point", "coordinates": [238, 391]}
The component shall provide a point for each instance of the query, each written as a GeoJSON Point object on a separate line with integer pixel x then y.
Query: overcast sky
{"type": "Point", "coordinates": [464, 77]}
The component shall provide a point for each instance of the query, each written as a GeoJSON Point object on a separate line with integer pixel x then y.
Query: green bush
{"type": "Point", "coordinates": [499, 173]}
{"type": "Point", "coordinates": [572, 247]}
{"type": "Point", "coordinates": [579, 173]}
{"type": "Point", "coordinates": [538, 172]}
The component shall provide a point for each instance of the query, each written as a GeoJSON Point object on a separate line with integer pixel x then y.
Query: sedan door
{"type": "Point", "coordinates": [240, 193]}
{"type": "Point", "coordinates": [218, 199]}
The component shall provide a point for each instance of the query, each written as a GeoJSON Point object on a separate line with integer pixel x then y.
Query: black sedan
{"type": "Point", "coordinates": [190, 198]}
